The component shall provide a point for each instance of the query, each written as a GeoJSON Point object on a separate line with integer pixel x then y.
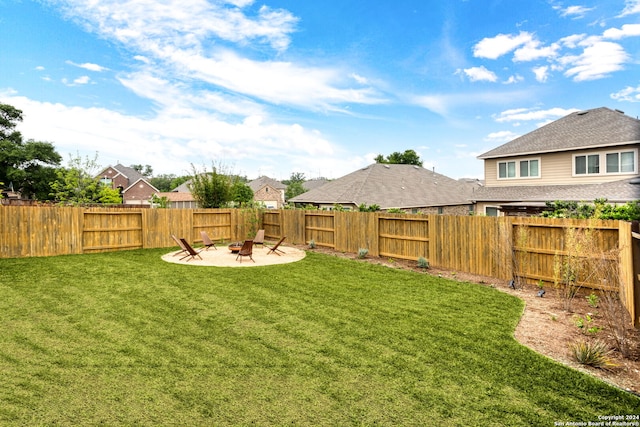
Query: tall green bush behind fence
{"type": "Point", "coordinates": [502, 248]}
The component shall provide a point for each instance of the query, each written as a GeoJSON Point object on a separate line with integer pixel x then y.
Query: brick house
{"type": "Point", "coordinates": [133, 186]}
{"type": "Point", "coordinates": [268, 191]}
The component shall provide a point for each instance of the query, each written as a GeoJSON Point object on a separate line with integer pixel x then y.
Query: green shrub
{"type": "Point", "coordinates": [363, 252]}
{"type": "Point", "coordinates": [312, 244]}
{"type": "Point", "coordinates": [423, 263]}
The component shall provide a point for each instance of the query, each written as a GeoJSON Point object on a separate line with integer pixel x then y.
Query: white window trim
{"type": "Point", "coordinates": [603, 163]}
{"type": "Point", "coordinates": [492, 207]}
{"type": "Point", "coordinates": [517, 162]}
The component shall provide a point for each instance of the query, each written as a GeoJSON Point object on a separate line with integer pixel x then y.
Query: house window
{"type": "Point", "coordinates": [614, 162]}
{"type": "Point", "coordinates": [491, 211]}
{"type": "Point", "coordinates": [529, 168]}
{"type": "Point", "coordinates": [620, 162]}
{"type": "Point", "coordinates": [506, 170]}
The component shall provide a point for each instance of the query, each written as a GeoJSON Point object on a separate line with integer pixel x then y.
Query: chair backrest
{"type": "Point", "coordinates": [247, 248]}
{"type": "Point", "coordinates": [179, 242]}
{"type": "Point", "coordinates": [259, 239]}
{"type": "Point", "coordinates": [206, 240]}
{"type": "Point", "coordinates": [189, 248]}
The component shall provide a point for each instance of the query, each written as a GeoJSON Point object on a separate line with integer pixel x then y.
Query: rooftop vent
{"type": "Point", "coordinates": [387, 166]}
{"type": "Point", "coordinates": [582, 113]}
{"type": "Point", "coordinates": [620, 111]}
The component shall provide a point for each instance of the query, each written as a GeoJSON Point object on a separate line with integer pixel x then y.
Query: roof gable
{"type": "Point", "coordinates": [600, 127]}
{"type": "Point", "coordinates": [257, 184]}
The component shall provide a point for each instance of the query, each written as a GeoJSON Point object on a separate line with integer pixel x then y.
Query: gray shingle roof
{"type": "Point", "coordinates": [391, 186]}
{"type": "Point", "coordinates": [130, 173]}
{"type": "Point", "coordinates": [599, 127]}
{"type": "Point", "coordinates": [257, 184]}
{"type": "Point", "coordinates": [314, 183]}
{"type": "Point", "coordinates": [625, 190]}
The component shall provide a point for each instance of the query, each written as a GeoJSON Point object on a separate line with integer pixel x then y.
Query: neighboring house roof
{"type": "Point", "coordinates": [391, 186]}
{"type": "Point", "coordinates": [599, 127]}
{"type": "Point", "coordinates": [183, 188]}
{"type": "Point", "coordinates": [617, 191]}
{"type": "Point", "coordinates": [257, 184]}
{"type": "Point", "coordinates": [312, 184]}
{"type": "Point", "coordinates": [132, 175]}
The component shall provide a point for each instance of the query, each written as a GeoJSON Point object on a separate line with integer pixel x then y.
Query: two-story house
{"type": "Point", "coordinates": [268, 191]}
{"type": "Point", "coordinates": [587, 155]}
{"type": "Point", "coordinates": [133, 186]}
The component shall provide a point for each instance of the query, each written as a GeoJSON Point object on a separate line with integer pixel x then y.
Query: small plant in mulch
{"type": "Point", "coordinates": [312, 244]}
{"type": "Point", "coordinates": [423, 263]}
{"type": "Point", "coordinates": [362, 253]}
{"type": "Point", "coordinates": [594, 353]}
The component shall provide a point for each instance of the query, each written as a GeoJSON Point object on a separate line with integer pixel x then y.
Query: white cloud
{"type": "Point", "coordinates": [513, 79]}
{"type": "Point", "coordinates": [172, 139]}
{"type": "Point", "coordinates": [358, 78]}
{"type": "Point", "coordinates": [501, 136]}
{"type": "Point", "coordinates": [184, 23]}
{"type": "Point", "coordinates": [494, 47]}
{"type": "Point", "coordinates": [39, 68]}
{"type": "Point", "coordinates": [572, 41]}
{"type": "Point", "coordinates": [442, 104]}
{"type": "Point", "coordinates": [575, 11]}
{"type": "Point", "coordinates": [598, 60]}
{"type": "Point", "coordinates": [533, 50]}
{"type": "Point", "coordinates": [82, 80]}
{"type": "Point", "coordinates": [523, 114]}
{"type": "Point", "coordinates": [629, 94]}
{"type": "Point", "coordinates": [631, 7]}
{"type": "Point", "coordinates": [179, 39]}
{"type": "Point", "coordinates": [541, 73]}
{"type": "Point", "coordinates": [480, 74]}
{"type": "Point", "coordinates": [88, 66]}
{"type": "Point", "coordinates": [627, 30]}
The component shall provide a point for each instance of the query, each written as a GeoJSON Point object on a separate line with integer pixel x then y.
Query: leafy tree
{"type": "Point", "coordinates": [76, 184]}
{"type": "Point", "coordinates": [409, 157]}
{"type": "Point", "coordinates": [168, 182]}
{"type": "Point", "coordinates": [295, 177]}
{"type": "Point", "coordinates": [29, 166]}
{"type": "Point", "coordinates": [372, 208]}
{"type": "Point", "coordinates": [211, 189]}
{"type": "Point", "coordinates": [161, 202]}
{"type": "Point", "coordinates": [294, 185]}
{"type": "Point", "coordinates": [145, 170]}
{"type": "Point", "coordinates": [241, 193]}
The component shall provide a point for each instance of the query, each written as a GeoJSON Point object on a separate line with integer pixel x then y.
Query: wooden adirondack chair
{"type": "Point", "coordinates": [191, 253]}
{"type": "Point", "coordinates": [274, 249]}
{"type": "Point", "coordinates": [259, 239]}
{"type": "Point", "coordinates": [246, 250]}
{"type": "Point", "coordinates": [206, 241]}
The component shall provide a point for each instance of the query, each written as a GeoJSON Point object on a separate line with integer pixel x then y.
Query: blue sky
{"type": "Point", "coordinates": [317, 87]}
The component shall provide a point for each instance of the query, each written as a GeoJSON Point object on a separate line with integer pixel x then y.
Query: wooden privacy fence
{"type": "Point", "coordinates": [46, 231]}
{"type": "Point", "coordinates": [528, 249]}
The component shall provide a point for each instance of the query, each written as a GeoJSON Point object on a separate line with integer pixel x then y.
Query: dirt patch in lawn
{"type": "Point", "coordinates": [544, 327]}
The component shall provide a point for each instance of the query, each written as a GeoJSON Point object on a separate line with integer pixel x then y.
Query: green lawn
{"type": "Point", "coordinates": [125, 338]}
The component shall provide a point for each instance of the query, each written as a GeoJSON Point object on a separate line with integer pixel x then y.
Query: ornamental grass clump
{"type": "Point", "coordinates": [594, 353]}
{"type": "Point", "coordinates": [363, 252]}
{"type": "Point", "coordinates": [423, 263]}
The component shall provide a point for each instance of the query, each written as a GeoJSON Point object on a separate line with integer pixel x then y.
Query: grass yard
{"type": "Point", "coordinates": [125, 338]}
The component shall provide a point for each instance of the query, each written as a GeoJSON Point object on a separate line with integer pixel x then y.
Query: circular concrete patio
{"type": "Point", "coordinates": [223, 257]}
